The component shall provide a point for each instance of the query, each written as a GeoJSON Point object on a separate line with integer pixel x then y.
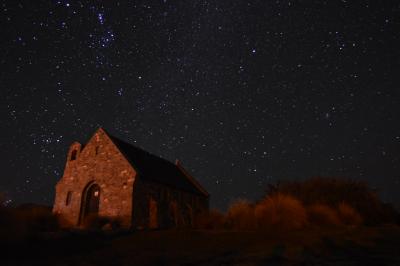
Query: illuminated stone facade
{"type": "Point", "coordinates": [111, 178]}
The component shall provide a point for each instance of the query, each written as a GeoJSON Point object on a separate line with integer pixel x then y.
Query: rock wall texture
{"type": "Point", "coordinates": [101, 163]}
{"type": "Point", "coordinates": [170, 206]}
{"type": "Point", "coordinates": [98, 177]}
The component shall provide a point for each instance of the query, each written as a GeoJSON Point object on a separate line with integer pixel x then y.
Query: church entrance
{"type": "Point", "coordinates": [90, 201]}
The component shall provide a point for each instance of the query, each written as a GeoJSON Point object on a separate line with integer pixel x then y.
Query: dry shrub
{"type": "Point", "coordinates": [19, 223]}
{"type": "Point", "coordinates": [241, 216]}
{"type": "Point", "coordinates": [96, 222]}
{"type": "Point", "coordinates": [10, 228]}
{"type": "Point", "coordinates": [280, 211]}
{"type": "Point", "coordinates": [348, 215]}
{"type": "Point", "coordinates": [36, 218]}
{"type": "Point", "coordinates": [63, 222]}
{"type": "Point", "coordinates": [322, 215]}
{"type": "Point", "coordinates": [332, 191]}
{"type": "Point", "coordinates": [211, 220]}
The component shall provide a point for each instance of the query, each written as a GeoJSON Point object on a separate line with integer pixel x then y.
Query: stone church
{"type": "Point", "coordinates": [112, 178]}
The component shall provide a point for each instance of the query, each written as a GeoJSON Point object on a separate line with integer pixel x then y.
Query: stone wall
{"type": "Point", "coordinates": [98, 162]}
{"type": "Point", "coordinates": [123, 195]}
{"type": "Point", "coordinates": [175, 208]}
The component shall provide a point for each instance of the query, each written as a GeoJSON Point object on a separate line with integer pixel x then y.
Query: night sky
{"type": "Point", "coordinates": [244, 93]}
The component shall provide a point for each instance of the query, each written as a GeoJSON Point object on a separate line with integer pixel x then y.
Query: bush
{"type": "Point", "coordinates": [212, 220]}
{"type": "Point", "coordinates": [96, 222]}
{"type": "Point", "coordinates": [36, 218]}
{"type": "Point", "coordinates": [10, 228]}
{"type": "Point", "coordinates": [322, 215]}
{"type": "Point", "coordinates": [280, 211]}
{"type": "Point", "coordinates": [348, 215]}
{"type": "Point", "coordinates": [333, 191]}
{"type": "Point", "coordinates": [240, 216]}
{"type": "Point", "coordinates": [19, 223]}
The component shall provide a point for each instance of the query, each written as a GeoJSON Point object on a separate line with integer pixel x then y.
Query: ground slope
{"type": "Point", "coordinates": [349, 246]}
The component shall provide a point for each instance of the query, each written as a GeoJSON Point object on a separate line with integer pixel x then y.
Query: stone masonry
{"type": "Point", "coordinates": [102, 179]}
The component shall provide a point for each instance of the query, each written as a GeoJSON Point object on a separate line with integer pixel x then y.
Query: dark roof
{"type": "Point", "coordinates": [153, 168]}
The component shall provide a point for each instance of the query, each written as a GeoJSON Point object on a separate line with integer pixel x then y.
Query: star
{"type": "Point", "coordinates": [238, 92]}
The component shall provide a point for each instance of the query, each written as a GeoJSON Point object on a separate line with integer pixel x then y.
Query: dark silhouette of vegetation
{"type": "Point", "coordinates": [241, 216]}
{"type": "Point", "coordinates": [323, 215]}
{"type": "Point", "coordinates": [334, 191]}
{"type": "Point", "coordinates": [348, 215]}
{"type": "Point", "coordinates": [96, 222]}
{"type": "Point", "coordinates": [280, 212]}
{"type": "Point", "coordinates": [212, 220]}
{"type": "Point", "coordinates": [293, 205]}
{"type": "Point", "coordinates": [22, 222]}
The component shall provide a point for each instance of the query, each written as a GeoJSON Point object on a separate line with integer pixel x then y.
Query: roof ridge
{"type": "Point", "coordinates": [136, 147]}
{"type": "Point", "coordinates": [191, 178]}
{"type": "Point", "coordinates": [154, 168]}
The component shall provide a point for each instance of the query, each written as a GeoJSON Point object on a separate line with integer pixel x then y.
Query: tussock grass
{"type": "Point", "coordinates": [280, 211]}
{"type": "Point", "coordinates": [323, 215]}
{"type": "Point", "coordinates": [349, 215]}
{"type": "Point", "coordinates": [316, 202]}
{"type": "Point", "coordinates": [19, 223]}
{"type": "Point", "coordinates": [212, 220]}
{"type": "Point", "coordinates": [241, 216]}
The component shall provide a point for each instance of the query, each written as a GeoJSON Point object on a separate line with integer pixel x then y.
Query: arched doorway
{"type": "Point", "coordinates": [90, 201]}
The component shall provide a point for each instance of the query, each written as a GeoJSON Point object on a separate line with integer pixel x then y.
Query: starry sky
{"type": "Point", "coordinates": [244, 93]}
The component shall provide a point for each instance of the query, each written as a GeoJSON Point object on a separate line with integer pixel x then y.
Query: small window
{"type": "Point", "coordinates": [97, 150]}
{"type": "Point", "coordinates": [73, 155]}
{"type": "Point", "coordinates": [69, 198]}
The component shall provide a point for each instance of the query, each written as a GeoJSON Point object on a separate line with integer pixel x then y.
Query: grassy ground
{"type": "Point", "coordinates": [349, 246]}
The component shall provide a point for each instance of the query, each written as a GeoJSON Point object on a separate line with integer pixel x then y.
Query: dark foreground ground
{"type": "Point", "coordinates": [357, 246]}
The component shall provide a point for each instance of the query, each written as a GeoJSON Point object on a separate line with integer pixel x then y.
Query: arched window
{"type": "Point", "coordinates": [173, 213]}
{"type": "Point", "coordinates": [188, 218]}
{"type": "Point", "coordinates": [90, 201]}
{"type": "Point", "coordinates": [69, 198]}
{"type": "Point", "coordinates": [73, 155]}
{"type": "Point", "coordinates": [153, 213]}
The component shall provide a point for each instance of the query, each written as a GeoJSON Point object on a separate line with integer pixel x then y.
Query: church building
{"type": "Point", "coordinates": [111, 178]}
